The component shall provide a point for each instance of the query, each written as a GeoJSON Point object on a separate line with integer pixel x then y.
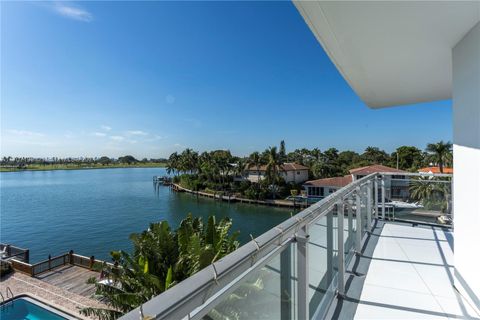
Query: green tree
{"type": "Point", "coordinates": [255, 160]}
{"type": "Point", "coordinates": [274, 166]}
{"type": "Point", "coordinates": [432, 194]}
{"type": "Point", "coordinates": [127, 159]}
{"type": "Point", "coordinates": [375, 156]}
{"type": "Point", "coordinates": [440, 153]}
{"type": "Point", "coordinates": [408, 157]}
{"type": "Point", "coordinates": [104, 160]}
{"type": "Point", "coordinates": [282, 152]}
{"type": "Point", "coordinates": [173, 164]}
{"type": "Point", "coordinates": [161, 258]}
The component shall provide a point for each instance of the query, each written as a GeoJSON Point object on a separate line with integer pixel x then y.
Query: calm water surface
{"type": "Point", "coordinates": [94, 211]}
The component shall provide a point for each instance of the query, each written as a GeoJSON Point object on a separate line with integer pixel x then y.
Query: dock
{"type": "Point", "coordinates": [71, 278]}
{"type": "Point", "coordinates": [233, 198]}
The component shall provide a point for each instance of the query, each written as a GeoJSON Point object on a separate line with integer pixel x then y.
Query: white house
{"type": "Point", "coordinates": [290, 172]}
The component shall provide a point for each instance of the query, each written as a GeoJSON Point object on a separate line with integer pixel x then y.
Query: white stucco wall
{"type": "Point", "coordinates": [466, 164]}
{"type": "Point", "coordinates": [292, 176]}
{"type": "Point", "coordinates": [289, 176]}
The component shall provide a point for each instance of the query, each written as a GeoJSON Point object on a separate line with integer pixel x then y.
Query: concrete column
{"type": "Point", "coordinates": [466, 165]}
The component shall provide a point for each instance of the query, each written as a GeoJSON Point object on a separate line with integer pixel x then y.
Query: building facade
{"type": "Point", "coordinates": [394, 190]}
{"type": "Point", "coordinates": [290, 172]}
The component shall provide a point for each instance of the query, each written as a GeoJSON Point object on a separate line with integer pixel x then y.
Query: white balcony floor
{"type": "Point", "coordinates": [411, 277]}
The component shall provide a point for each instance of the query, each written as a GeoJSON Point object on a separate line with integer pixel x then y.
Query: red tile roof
{"type": "Point", "coordinates": [330, 182]}
{"type": "Point", "coordinates": [435, 170]}
{"type": "Point", "coordinates": [285, 167]}
{"type": "Point", "coordinates": [372, 169]}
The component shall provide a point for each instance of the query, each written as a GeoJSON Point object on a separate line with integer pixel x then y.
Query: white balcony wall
{"type": "Point", "coordinates": [466, 152]}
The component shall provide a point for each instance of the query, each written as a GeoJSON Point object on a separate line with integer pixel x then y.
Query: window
{"type": "Point", "coordinates": [298, 172]}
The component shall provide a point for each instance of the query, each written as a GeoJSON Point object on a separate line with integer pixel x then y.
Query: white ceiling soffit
{"type": "Point", "coordinates": [392, 52]}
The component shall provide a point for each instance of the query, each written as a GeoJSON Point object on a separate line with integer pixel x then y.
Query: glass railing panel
{"type": "Point", "coordinates": [348, 229]}
{"type": "Point", "coordinates": [323, 249]}
{"type": "Point", "coordinates": [420, 199]}
{"type": "Point", "coordinates": [267, 293]}
{"type": "Point", "coordinates": [351, 225]}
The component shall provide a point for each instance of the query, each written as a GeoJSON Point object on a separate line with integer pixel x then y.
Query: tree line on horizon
{"type": "Point", "coordinates": [23, 162]}
{"type": "Point", "coordinates": [219, 170]}
{"type": "Point", "coordinates": [328, 163]}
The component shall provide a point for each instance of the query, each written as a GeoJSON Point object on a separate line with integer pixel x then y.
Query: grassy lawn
{"type": "Point", "coordinates": [40, 167]}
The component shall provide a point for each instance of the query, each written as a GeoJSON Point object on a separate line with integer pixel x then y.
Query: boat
{"type": "Point", "coordinates": [444, 219]}
{"type": "Point", "coordinates": [404, 205]}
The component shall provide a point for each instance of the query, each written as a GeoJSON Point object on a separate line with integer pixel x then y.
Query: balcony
{"type": "Point", "coordinates": [392, 262]}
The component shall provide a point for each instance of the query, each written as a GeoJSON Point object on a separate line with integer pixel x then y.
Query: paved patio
{"type": "Point", "coordinates": [56, 296]}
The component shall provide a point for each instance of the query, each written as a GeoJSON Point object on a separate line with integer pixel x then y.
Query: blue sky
{"type": "Point", "coordinates": [150, 78]}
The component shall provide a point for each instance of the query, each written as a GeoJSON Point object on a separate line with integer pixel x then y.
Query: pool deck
{"type": "Point", "coordinates": [58, 296]}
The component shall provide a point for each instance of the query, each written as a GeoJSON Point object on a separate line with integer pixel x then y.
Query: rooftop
{"type": "Point", "coordinates": [330, 182]}
{"type": "Point", "coordinates": [345, 180]}
{"type": "Point", "coordinates": [435, 170]}
{"type": "Point", "coordinates": [287, 166]}
{"type": "Point", "coordinates": [374, 168]}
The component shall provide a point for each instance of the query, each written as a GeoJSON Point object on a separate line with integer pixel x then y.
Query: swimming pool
{"type": "Point", "coordinates": [26, 308]}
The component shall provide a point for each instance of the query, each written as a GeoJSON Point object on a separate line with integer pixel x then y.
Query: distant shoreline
{"type": "Point", "coordinates": [51, 167]}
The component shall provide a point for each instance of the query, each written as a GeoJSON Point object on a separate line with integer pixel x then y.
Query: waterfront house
{"type": "Point", "coordinates": [290, 172]}
{"type": "Point", "coordinates": [395, 190]}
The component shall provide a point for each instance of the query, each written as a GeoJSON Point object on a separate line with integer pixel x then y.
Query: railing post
{"type": "Point", "coordinates": [92, 262]}
{"type": "Point", "coordinates": [350, 224]}
{"type": "Point", "coordinates": [49, 262]}
{"type": "Point", "coordinates": [26, 256]}
{"type": "Point", "coordinates": [70, 257]}
{"type": "Point", "coordinates": [383, 197]}
{"type": "Point", "coordinates": [369, 206]}
{"type": "Point", "coordinates": [341, 250]}
{"type": "Point", "coordinates": [330, 239]}
{"type": "Point", "coordinates": [375, 185]}
{"type": "Point", "coordinates": [286, 284]}
{"type": "Point", "coordinates": [358, 204]}
{"type": "Point", "coordinates": [302, 269]}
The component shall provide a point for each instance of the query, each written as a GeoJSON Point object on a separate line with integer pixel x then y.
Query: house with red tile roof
{"type": "Point", "coordinates": [323, 187]}
{"type": "Point", "coordinates": [290, 172]}
{"type": "Point", "coordinates": [435, 170]}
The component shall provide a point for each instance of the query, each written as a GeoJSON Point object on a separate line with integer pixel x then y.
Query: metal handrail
{"type": "Point", "coordinates": [194, 291]}
{"type": "Point", "coordinates": [191, 297]}
{"type": "Point", "coordinates": [9, 291]}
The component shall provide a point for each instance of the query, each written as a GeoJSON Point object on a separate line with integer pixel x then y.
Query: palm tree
{"type": "Point", "coordinates": [421, 188]}
{"type": "Point", "coordinates": [274, 165]}
{"type": "Point", "coordinates": [173, 163]}
{"type": "Point", "coordinates": [255, 160]}
{"type": "Point", "coordinates": [432, 194]}
{"type": "Point", "coordinates": [283, 151]}
{"type": "Point", "coordinates": [440, 153]}
{"type": "Point", "coordinates": [161, 258]}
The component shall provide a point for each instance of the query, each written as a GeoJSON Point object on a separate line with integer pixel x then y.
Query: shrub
{"type": "Point", "coordinates": [5, 268]}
